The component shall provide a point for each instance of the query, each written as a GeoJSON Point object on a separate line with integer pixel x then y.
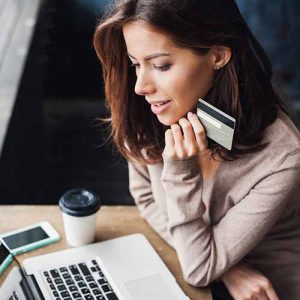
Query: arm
{"type": "Point", "coordinates": [140, 189]}
{"type": "Point", "coordinates": [208, 252]}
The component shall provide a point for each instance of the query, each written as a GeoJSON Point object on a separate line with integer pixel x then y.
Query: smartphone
{"type": "Point", "coordinates": [5, 259]}
{"type": "Point", "coordinates": [29, 238]}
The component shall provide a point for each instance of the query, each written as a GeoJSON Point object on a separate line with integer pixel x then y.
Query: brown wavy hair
{"type": "Point", "coordinates": [242, 88]}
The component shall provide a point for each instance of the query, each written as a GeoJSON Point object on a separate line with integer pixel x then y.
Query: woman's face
{"type": "Point", "coordinates": [171, 78]}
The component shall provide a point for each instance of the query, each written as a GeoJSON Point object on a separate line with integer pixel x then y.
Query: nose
{"type": "Point", "coordinates": [144, 84]}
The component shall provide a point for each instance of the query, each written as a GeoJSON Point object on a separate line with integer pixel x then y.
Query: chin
{"type": "Point", "coordinates": [168, 120]}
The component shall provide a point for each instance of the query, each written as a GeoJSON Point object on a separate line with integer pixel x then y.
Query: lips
{"type": "Point", "coordinates": [160, 103]}
{"type": "Point", "coordinates": [158, 107]}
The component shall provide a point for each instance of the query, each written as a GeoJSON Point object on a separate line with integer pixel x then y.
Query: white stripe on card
{"type": "Point", "coordinates": [208, 119]}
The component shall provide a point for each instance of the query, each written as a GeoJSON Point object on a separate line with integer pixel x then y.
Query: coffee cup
{"type": "Point", "coordinates": [79, 210]}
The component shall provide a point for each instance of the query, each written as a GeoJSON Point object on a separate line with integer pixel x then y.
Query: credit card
{"type": "Point", "coordinates": [218, 125]}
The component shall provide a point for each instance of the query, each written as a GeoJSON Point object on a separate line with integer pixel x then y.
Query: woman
{"type": "Point", "coordinates": [232, 216]}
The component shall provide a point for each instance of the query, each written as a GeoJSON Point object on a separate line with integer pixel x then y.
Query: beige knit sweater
{"type": "Point", "coordinates": [249, 210]}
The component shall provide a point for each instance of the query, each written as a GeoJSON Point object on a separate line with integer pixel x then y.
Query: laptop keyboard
{"type": "Point", "coordinates": [82, 281]}
{"type": "Point", "coordinates": [14, 296]}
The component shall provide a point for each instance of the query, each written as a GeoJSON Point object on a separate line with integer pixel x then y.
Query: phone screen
{"type": "Point", "coordinates": [25, 237]}
{"type": "Point", "coordinates": [3, 253]}
{"type": "Point", "coordinates": [5, 262]}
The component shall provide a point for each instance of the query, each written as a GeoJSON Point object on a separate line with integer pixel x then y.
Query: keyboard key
{"type": "Point", "coordinates": [78, 278]}
{"type": "Point", "coordinates": [61, 287]}
{"type": "Point", "coordinates": [93, 285]}
{"type": "Point", "coordinates": [55, 294]}
{"type": "Point", "coordinates": [49, 280]}
{"type": "Point", "coordinates": [112, 296]}
{"type": "Point", "coordinates": [76, 295]}
{"type": "Point", "coordinates": [66, 275]}
{"type": "Point", "coordinates": [85, 291]}
{"type": "Point", "coordinates": [63, 269]}
{"type": "Point", "coordinates": [65, 294]}
{"type": "Point", "coordinates": [84, 269]}
{"type": "Point", "coordinates": [106, 288]}
{"type": "Point", "coordinates": [101, 274]}
{"type": "Point", "coordinates": [46, 274]}
{"type": "Point", "coordinates": [15, 296]}
{"type": "Point", "coordinates": [97, 292]}
{"type": "Point", "coordinates": [81, 284]}
{"type": "Point", "coordinates": [74, 269]}
{"type": "Point", "coordinates": [89, 278]}
{"type": "Point", "coordinates": [54, 273]}
{"type": "Point", "coordinates": [88, 297]}
{"type": "Point", "coordinates": [93, 269]}
{"type": "Point", "coordinates": [101, 297]}
{"type": "Point", "coordinates": [58, 281]}
{"type": "Point", "coordinates": [52, 287]}
{"type": "Point", "coordinates": [73, 288]}
{"type": "Point", "coordinates": [70, 282]}
{"type": "Point", "coordinates": [102, 281]}
{"type": "Point", "coordinates": [94, 262]}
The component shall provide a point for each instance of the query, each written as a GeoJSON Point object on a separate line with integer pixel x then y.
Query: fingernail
{"type": "Point", "coordinates": [189, 114]}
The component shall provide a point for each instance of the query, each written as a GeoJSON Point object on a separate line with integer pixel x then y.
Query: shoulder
{"type": "Point", "coordinates": [282, 137]}
{"type": "Point", "coordinates": [283, 130]}
{"type": "Point", "coordinates": [281, 141]}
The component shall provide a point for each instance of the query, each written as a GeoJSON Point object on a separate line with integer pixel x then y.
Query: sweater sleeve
{"type": "Point", "coordinates": [141, 191]}
{"type": "Point", "coordinates": [206, 252]}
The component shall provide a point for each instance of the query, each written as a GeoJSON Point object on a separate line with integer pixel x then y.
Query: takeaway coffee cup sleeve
{"type": "Point", "coordinates": [79, 209]}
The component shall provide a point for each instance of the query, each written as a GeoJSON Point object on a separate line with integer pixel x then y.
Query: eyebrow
{"type": "Point", "coordinates": [152, 56]}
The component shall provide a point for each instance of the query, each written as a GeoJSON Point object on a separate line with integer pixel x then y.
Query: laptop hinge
{"type": "Point", "coordinates": [30, 287]}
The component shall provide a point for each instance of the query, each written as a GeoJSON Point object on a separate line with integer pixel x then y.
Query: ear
{"type": "Point", "coordinates": [221, 56]}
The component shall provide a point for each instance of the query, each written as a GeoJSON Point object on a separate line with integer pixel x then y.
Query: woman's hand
{"type": "Point", "coordinates": [193, 140]}
{"type": "Point", "coordinates": [245, 283]}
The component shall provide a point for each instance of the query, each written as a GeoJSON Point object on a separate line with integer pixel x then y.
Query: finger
{"type": "Point", "coordinates": [190, 142]}
{"type": "Point", "coordinates": [268, 288]}
{"type": "Point", "coordinates": [260, 286]}
{"type": "Point", "coordinates": [199, 131]}
{"type": "Point", "coordinates": [271, 294]}
{"type": "Point", "coordinates": [187, 129]}
{"type": "Point", "coordinates": [262, 296]}
{"type": "Point", "coordinates": [169, 140]}
{"type": "Point", "coordinates": [178, 140]}
{"type": "Point", "coordinates": [169, 144]}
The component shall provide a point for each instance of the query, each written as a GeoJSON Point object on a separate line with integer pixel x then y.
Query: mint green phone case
{"type": "Point", "coordinates": [8, 260]}
{"type": "Point", "coordinates": [36, 245]}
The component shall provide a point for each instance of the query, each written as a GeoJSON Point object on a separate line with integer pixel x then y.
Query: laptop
{"type": "Point", "coordinates": [125, 268]}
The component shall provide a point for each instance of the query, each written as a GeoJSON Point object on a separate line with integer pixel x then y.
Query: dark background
{"type": "Point", "coordinates": [55, 140]}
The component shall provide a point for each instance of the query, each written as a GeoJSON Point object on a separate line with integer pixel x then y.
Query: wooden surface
{"type": "Point", "coordinates": [112, 221]}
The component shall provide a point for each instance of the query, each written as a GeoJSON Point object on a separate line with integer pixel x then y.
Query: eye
{"type": "Point", "coordinates": [162, 67]}
{"type": "Point", "coordinates": [135, 65]}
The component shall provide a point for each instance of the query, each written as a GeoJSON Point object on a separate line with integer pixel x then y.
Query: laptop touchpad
{"type": "Point", "coordinates": [149, 288]}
